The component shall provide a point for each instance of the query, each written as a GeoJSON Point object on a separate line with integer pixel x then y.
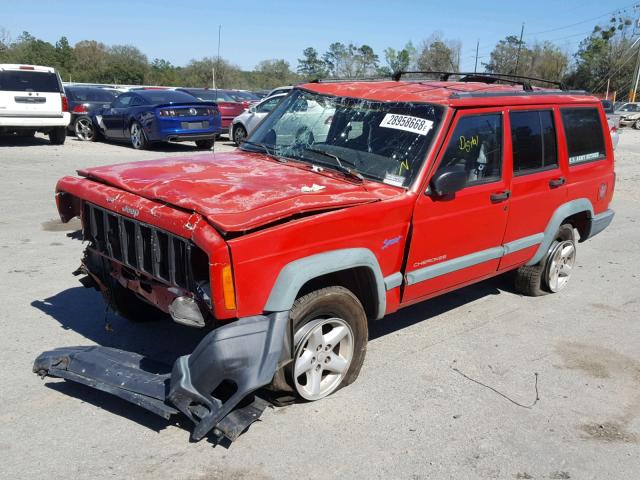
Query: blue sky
{"type": "Point", "coordinates": [254, 30]}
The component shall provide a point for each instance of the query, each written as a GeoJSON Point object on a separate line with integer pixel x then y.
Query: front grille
{"type": "Point", "coordinates": [141, 246]}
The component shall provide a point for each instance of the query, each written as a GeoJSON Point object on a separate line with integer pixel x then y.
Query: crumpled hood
{"type": "Point", "coordinates": [237, 191]}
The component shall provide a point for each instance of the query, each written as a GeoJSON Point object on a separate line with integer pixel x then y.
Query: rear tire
{"type": "Point", "coordinates": [137, 137]}
{"type": "Point", "coordinates": [85, 130]}
{"type": "Point", "coordinates": [205, 144]}
{"type": "Point", "coordinates": [58, 135]}
{"type": "Point", "coordinates": [533, 280]}
{"type": "Point", "coordinates": [239, 134]}
{"type": "Point", "coordinates": [330, 342]}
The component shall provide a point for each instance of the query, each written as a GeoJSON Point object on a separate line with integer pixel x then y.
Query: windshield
{"type": "Point", "coordinates": [165, 96]}
{"type": "Point", "coordinates": [211, 95]}
{"type": "Point", "coordinates": [382, 141]}
{"type": "Point", "coordinates": [242, 96]}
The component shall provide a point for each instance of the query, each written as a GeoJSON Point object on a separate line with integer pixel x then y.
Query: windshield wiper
{"type": "Point", "coordinates": [339, 163]}
{"type": "Point", "coordinates": [270, 151]}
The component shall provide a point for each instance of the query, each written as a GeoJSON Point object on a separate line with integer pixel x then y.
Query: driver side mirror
{"type": "Point", "coordinates": [252, 109]}
{"type": "Point", "coordinates": [448, 181]}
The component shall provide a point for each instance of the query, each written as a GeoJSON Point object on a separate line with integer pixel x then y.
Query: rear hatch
{"type": "Point", "coordinates": [30, 92]}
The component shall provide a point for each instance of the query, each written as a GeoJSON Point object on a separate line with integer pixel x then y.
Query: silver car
{"type": "Point", "coordinates": [629, 114]}
{"type": "Point", "coordinates": [244, 123]}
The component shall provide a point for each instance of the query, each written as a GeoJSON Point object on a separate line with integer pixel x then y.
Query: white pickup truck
{"type": "Point", "coordinates": [32, 100]}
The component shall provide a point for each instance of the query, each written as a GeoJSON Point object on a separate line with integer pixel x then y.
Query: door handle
{"type": "Point", "coordinates": [557, 182]}
{"type": "Point", "coordinates": [500, 196]}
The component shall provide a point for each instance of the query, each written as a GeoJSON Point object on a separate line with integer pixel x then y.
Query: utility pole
{"type": "Point", "coordinates": [475, 68]}
{"type": "Point", "coordinates": [519, 48]}
{"type": "Point", "coordinates": [636, 71]}
{"type": "Point", "coordinates": [218, 59]}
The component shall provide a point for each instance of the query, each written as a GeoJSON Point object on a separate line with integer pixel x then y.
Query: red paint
{"type": "Point", "coordinates": [249, 211]}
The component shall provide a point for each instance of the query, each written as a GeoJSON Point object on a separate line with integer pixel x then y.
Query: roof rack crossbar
{"type": "Point", "coordinates": [487, 77]}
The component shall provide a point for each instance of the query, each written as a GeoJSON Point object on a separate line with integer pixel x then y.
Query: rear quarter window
{"type": "Point", "coordinates": [585, 137]}
{"type": "Point", "coordinates": [29, 81]}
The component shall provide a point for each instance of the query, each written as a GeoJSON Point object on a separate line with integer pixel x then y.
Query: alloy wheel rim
{"type": "Point", "coordinates": [84, 129]}
{"type": "Point", "coordinates": [135, 135]}
{"type": "Point", "coordinates": [239, 134]}
{"type": "Point", "coordinates": [323, 357]}
{"type": "Point", "coordinates": [561, 262]}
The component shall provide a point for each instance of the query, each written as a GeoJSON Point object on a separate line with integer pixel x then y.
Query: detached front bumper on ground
{"type": "Point", "coordinates": [212, 386]}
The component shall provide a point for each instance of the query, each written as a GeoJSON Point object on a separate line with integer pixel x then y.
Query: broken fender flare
{"type": "Point", "coordinates": [241, 356]}
{"type": "Point", "coordinates": [244, 353]}
{"type": "Point", "coordinates": [295, 274]}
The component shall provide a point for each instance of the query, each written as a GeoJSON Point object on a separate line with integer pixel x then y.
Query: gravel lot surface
{"type": "Point", "coordinates": [410, 415]}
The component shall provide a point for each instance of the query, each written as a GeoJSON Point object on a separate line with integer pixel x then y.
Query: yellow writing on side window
{"type": "Point", "coordinates": [466, 144]}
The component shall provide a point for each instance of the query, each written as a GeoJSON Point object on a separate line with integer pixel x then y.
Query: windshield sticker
{"type": "Point", "coordinates": [407, 123]}
{"type": "Point", "coordinates": [584, 158]}
{"type": "Point", "coordinates": [395, 180]}
{"type": "Point", "coordinates": [313, 188]}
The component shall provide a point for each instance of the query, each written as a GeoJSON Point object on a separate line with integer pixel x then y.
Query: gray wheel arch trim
{"type": "Point", "coordinates": [298, 272]}
{"type": "Point", "coordinates": [563, 211]}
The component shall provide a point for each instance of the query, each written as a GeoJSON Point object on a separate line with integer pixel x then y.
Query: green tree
{"type": "Point", "coordinates": [398, 60]}
{"type": "Point", "coordinates": [273, 73]}
{"type": "Point", "coordinates": [606, 55]}
{"type": "Point", "coordinates": [438, 54]}
{"type": "Point", "coordinates": [65, 58]}
{"type": "Point", "coordinates": [311, 66]}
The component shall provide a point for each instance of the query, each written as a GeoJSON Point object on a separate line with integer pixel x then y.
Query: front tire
{"type": "Point", "coordinates": [636, 125]}
{"type": "Point", "coordinates": [330, 342]}
{"type": "Point", "coordinates": [551, 274]}
{"type": "Point", "coordinates": [205, 144]}
{"type": "Point", "coordinates": [58, 135]}
{"type": "Point", "coordinates": [239, 134]}
{"type": "Point", "coordinates": [137, 137]}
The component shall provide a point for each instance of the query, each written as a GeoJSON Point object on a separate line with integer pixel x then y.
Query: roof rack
{"type": "Point", "coordinates": [484, 77]}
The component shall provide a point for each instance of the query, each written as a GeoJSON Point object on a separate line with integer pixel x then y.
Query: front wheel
{"type": "Point", "coordinates": [205, 144]}
{"type": "Point", "coordinates": [138, 139]}
{"type": "Point", "coordinates": [636, 124]}
{"type": "Point", "coordinates": [58, 135]}
{"type": "Point", "coordinates": [239, 134]}
{"type": "Point", "coordinates": [330, 339]}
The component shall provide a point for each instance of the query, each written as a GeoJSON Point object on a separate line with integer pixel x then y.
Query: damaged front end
{"type": "Point", "coordinates": [212, 386]}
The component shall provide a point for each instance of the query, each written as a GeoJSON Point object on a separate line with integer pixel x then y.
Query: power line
{"type": "Point", "coordinates": [610, 12]}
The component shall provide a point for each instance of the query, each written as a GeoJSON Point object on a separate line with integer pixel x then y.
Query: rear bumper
{"type": "Point", "coordinates": [188, 137]}
{"type": "Point", "coordinates": [600, 222]}
{"type": "Point", "coordinates": [228, 365]}
{"type": "Point", "coordinates": [35, 121]}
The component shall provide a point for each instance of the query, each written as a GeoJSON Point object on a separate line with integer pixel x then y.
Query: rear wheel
{"type": "Point", "coordinates": [330, 341]}
{"type": "Point", "coordinates": [205, 144]}
{"type": "Point", "coordinates": [552, 273]}
{"type": "Point", "coordinates": [85, 130]}
{"type": "Point", "coordinates": [239, 134]}
{"type": "Point", "coordinates": [137, 136]}
{"type": "Point", "coordinates": [58, 135]}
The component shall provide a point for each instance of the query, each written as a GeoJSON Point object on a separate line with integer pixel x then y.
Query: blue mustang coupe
{"type": "Point", "coordinates": [144, 117]}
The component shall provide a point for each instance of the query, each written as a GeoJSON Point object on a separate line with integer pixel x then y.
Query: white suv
{"type": "Point", "coordinates": [32, 100]}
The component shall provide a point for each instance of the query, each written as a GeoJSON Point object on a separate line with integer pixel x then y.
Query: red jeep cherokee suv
{"type": "Point", "coordinates": [350, 201]}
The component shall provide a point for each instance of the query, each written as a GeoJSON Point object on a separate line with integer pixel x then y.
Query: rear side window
{"type": "Point", "coordinates": [585, 140]}
{"type": "Point", "coordinates": [28, 81]}
{"type": "Point", "coordinates": [533, 137]}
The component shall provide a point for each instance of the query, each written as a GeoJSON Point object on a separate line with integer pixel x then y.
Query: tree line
{"type": "Point", "coordinates": [603, 55]}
